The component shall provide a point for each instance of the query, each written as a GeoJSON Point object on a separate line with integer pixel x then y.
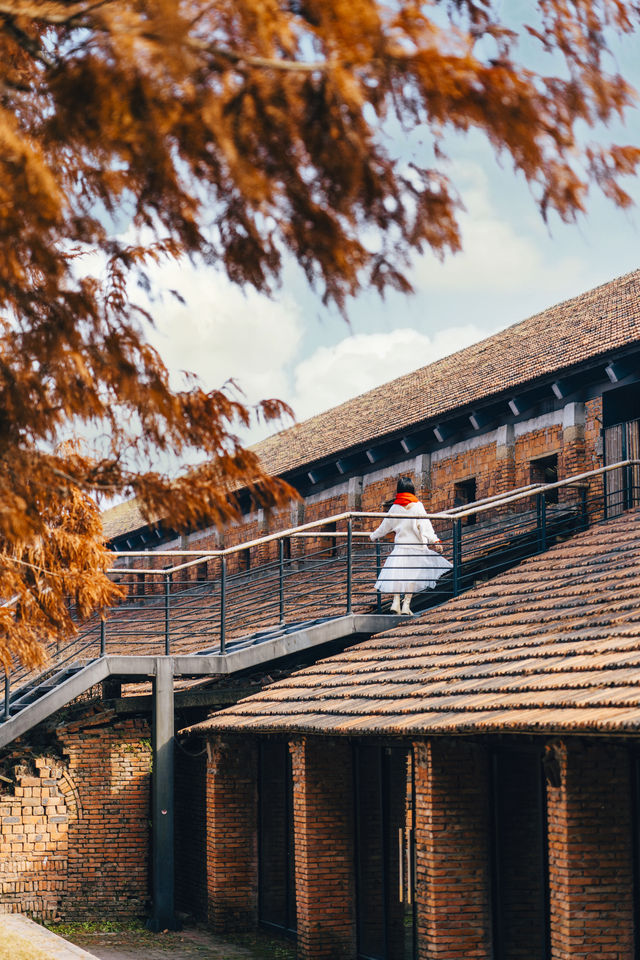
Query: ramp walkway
{"type": "Point", "coordinates": [196, 614]}
{"type": "Point", "coordinates": [226, 611]}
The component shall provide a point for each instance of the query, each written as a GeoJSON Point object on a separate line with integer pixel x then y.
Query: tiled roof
{"type": "Point", "coordinates": [594, 324]}
{"type": "Point", "coordinates": [550, 646]}
{"type": "Point", "coordinates": [121, 519]}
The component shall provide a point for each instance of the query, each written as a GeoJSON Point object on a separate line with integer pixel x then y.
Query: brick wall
{"type": "Point", "coordinates": [323, 829]}
{"type": "Point", "coordinates": [34, 844]}
{"type": "Point", "coordinates": [535, 444]}
{"type": "Point", "coordinates": [75, 834]}
{"type": "Point", "coordinates": [452, 850]}
{"type": "Point", "coordinates": [590, 852]}
{"type": "Point", "coordinates": [109, 763]}
{"type": "Point", "coordinates": [479, 462]}
{"type": "Point", "coordinates": [232, 834]}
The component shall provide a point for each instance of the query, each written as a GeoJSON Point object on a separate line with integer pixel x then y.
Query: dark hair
{"type": "Point", "coordinates": [405, 485]}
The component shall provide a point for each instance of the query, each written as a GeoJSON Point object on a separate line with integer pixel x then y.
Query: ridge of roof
{"type": "Point", "coordinates": [551, 645]}
{"type": "Point", "coordinates": [586, 326]}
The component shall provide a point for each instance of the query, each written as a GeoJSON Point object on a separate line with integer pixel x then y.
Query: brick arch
{"type": "Point", "coordinates": [69, 790]}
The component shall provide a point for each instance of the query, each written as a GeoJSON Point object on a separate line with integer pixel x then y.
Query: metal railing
{"type": "Point", "coordinates": [217, 601]}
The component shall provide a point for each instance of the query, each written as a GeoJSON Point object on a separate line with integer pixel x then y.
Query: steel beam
{"type": "Point", "coordinates": [162, 855]}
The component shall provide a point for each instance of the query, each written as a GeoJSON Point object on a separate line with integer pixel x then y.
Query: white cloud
{"type": "Point", "coordinates": [499, 256]}
{"type": "Point", "coordinates": [222, 331]}
{"type": "Point", "coordinates": [359, 363]}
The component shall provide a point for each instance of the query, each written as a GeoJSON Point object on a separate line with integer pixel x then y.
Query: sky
{"type": "Point", "coordinates": [512, 266]}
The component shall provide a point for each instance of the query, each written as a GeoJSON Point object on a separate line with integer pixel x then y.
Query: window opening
{"type": "Point", "coordinates": [331, 542]}
{"type": "Point", "coordinates": [545, 470]}
{"type": "Point", "coordinates": [139, 590]}
{"type": "Point", "coordinates": [286, 548]}
{"type": "Point", "coordinates": [464, 492]}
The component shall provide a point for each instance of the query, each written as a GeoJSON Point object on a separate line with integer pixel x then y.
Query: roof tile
{"type": "Point", "coordinates": [566, 658]}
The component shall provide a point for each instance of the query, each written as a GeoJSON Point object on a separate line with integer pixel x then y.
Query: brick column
{"type": "Point", "coordinates": [232, 834]}
{"type": "Point", "coordinates": [422, 477]}
{"type": "Point", "coordinates": [452, 850]}
{"type": "Point", "coordinates": [323, 827]}
{"type": "Point", "coordinates": [574, 458]}
{"type": "Point", "coordinates": [505, 459]}
{"type": "Point", "coordinates": [590, 852]}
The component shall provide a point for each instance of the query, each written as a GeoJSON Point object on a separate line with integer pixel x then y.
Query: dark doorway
{"type": "Point", "coordinates": [276, 861]}
{"type": "Point", "coordinates": [621, 422]}
{"type": "Point", "coordinates": [519, 861]}
{"type": "Point", "coordinates": [545, 470]}
{"type": "Point", "coordinates": [385, 869]}
{"type": "Point", "coordinates": [464, 493]}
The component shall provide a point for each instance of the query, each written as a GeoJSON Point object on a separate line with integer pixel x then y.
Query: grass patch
{"type": "Point", "coordinates": [73, 928]}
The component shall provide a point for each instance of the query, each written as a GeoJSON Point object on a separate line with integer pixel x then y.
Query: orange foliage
{"type": "Point", "coordinates": [235, 130]}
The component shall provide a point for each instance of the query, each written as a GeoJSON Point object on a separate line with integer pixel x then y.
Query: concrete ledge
{"type": "Point", "coordinates": [37, 941]}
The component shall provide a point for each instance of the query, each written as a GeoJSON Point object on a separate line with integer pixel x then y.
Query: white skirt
{"type": "Point", "coordinates": [411, 568]}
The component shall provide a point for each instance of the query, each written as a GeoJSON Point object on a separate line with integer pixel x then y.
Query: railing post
{"type": "Point", "coordinates": [223, 603]}
{"type": "Point", "coordinates": [349, 563]}
{"type": "Point", "coordinates": [457, 555]}
{"type": "Point", "coordinates": [7, 712]}
{"type": "Point", "coordinates": [103, 637]}
{"type": "Point", "coordinates": [167, 614]}
{"type": "Point", "coordinates": [628, 487]}
{"type": "Point", "coordinates": [281, 578]}
{"type": "Point", "coordinates": [378, 568]}
{"type": "Point", "coordinates": [541, 509]}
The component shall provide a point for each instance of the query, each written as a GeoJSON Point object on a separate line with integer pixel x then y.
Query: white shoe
{"type": "Point", "coordinates": [406, 610]}
{"type": "Point", "coordinates": [395, 605]}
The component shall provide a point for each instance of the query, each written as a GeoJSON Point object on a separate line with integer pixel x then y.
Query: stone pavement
{"type": "Point", "coordinates": [21, 937]}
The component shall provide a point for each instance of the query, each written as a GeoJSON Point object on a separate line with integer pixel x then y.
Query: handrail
{"type": "Point", "coordinates": [233, 606]}
{"type": "Point", "coordinates": [452, 513]}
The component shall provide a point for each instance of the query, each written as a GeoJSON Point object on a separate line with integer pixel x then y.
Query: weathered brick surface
{"type": "Point", "coordinates": [452, 850]}
{"type": "Point", "coordinates": [323, 829]}
{"type": "Point", "coordinates": [109, 840]}
{"type": "Point", "coordinates": [34, 815]}
{"type": "Point", "coordinates": [75, 834]}
{"type": "Point", "coordinates": [232, 834]}
{"type": "Point", "coordinates": [590, 853]}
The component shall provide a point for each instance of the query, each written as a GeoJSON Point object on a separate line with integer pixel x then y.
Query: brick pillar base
{"type": "Point", "coordinates": [232, 835]}
{"type": "Point", "coordinates": [590, 852]}
{"type": "Point", "coordinates": [323, 825]}
{"type": "Point", "coordinates": [451, 834]}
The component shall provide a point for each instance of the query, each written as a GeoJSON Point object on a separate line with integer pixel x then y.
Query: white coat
{"type": "Point", "coordinates": [411, 566]}
{"type": "Point", "coordinates": [405, 523]}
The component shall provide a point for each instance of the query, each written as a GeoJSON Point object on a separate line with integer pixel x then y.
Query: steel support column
{"type": "Point", "coordinates": [162, 915]}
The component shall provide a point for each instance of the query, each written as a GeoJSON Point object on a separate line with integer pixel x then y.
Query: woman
{"type": "Point", "coordinates": [411, 566]}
